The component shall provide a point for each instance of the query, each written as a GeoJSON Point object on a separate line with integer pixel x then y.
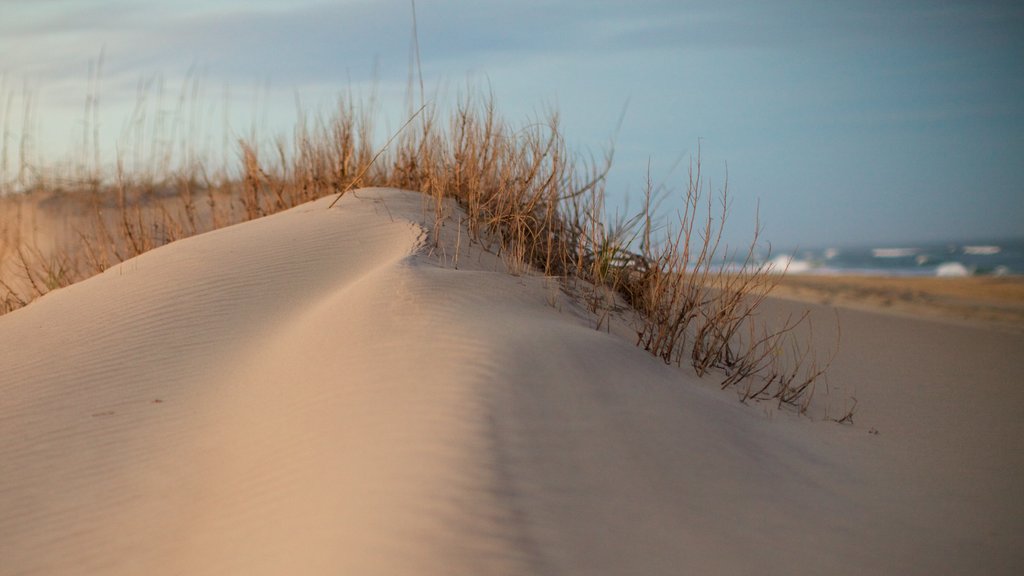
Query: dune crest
{"type": "Point", "coordinates": [314, 392]}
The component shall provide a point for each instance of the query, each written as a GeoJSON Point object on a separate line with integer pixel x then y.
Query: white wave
{"type": "Point", "coordinates": [788, 265]}
{"type": "Point", "coordinates": [982, 250]}
{"type": "Point", "coordinates": [952, 270]}
{"type": "Point", "coordinates": [893, 252]}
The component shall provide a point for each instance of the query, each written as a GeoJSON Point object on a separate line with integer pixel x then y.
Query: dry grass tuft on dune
{"type": "Point", "coordinates": [524, 196]}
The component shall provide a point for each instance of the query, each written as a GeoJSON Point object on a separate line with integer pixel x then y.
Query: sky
{"type": "Point", "coordinates": [841, 122]}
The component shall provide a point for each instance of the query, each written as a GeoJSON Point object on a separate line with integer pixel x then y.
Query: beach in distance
{"type": "Point", "coordinates": [989, 301]}
{"type": "Point", "coordinates": [360, 389]}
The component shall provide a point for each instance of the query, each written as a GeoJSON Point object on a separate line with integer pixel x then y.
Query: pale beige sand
{"type": "Point", "coordinates": [314, 393]}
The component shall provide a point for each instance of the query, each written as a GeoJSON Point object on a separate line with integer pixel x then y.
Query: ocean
{"type": "Point", "coordinates": [988, 258]}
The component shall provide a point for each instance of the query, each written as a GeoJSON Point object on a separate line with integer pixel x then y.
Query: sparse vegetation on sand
{"type": "Point", "coordinates": [526, 197]}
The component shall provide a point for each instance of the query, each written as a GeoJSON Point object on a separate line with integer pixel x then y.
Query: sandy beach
{"type": "Point", "coordinates": [990, 301]}
{"type": "Point", "coordinates": [329, 391]}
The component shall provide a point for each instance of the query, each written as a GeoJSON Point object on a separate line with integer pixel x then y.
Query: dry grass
{"type": "Point", "coordinates": [526, 196]}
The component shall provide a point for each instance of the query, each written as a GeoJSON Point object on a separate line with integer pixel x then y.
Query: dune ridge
{"type": "Point", "coordinates": [315, 392]}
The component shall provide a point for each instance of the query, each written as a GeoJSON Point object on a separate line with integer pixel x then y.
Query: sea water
{"type": "Point", "coordinates": [986, 258]}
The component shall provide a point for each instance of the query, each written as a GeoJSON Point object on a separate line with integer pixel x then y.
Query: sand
{"type": "Point", "coordinates": [328, 391]}
{"type": "Point", "coordinates": [988, 301]}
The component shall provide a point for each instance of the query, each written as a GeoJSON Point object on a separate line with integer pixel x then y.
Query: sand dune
{"type": "Point", "coordinates": [324, 391]}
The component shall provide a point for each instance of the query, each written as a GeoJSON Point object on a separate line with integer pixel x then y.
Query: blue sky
{"type": "Point", "coordinates": [877, 122]}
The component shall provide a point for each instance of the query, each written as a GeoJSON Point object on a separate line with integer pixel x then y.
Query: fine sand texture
{"type": "Point", "coordinates": [331, 391]}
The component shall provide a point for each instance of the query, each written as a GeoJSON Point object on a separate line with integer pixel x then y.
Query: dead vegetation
{"type": "Point", "coordinates": [527, 198]}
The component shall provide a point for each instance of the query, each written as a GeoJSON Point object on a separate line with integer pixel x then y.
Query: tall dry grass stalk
{"type": "Point", "coordinates": [526, 197]}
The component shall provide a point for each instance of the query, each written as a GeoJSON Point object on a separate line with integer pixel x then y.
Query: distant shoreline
{"type": "Point", "coordinates": [996, 301]}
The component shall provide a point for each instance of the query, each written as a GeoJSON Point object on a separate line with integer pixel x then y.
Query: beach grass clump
{"type": "Point", "coordinates": [526, 196]}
